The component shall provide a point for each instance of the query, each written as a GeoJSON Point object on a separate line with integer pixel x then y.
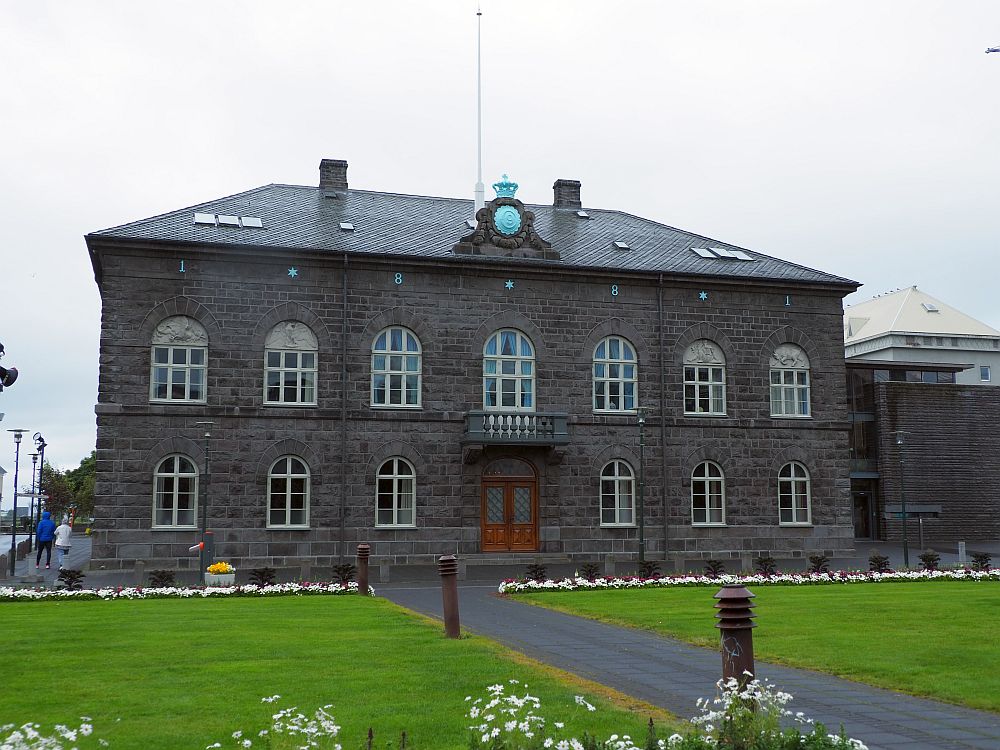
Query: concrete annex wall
{"type": "Point", "coordinates": [453, 306]}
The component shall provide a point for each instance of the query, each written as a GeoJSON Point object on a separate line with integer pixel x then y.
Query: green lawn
{"type": "Point", "coordinates": [938, 639]}
{"type": "Point", "coordinates": [172, 673]}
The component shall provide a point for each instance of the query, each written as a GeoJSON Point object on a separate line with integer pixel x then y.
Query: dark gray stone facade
{"type": "Point", "coordinates": [239, 293]}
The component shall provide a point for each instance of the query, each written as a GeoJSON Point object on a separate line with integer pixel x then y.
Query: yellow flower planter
{"type": "Point", "coordinates": [220, 579]}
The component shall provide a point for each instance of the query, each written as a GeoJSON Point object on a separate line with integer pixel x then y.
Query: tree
{"type": "Point", "coordinates": [81, 484]}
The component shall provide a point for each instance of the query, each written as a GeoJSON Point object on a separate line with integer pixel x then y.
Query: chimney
{"type": "Point", "coordinates": [567, 194]}
{"type": "Point", "coordinates": [333, 175]}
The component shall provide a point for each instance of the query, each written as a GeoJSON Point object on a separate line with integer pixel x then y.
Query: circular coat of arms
{"type": "Point", "coordinates": [507, 220]}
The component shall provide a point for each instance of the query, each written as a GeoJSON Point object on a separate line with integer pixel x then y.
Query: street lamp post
{"type": "Point", "coordinates": [31, 507]}
{"type": "Point", "coordinates": [902, 499]}
{"type": "Point", "coordinates": [3, 473]}
{"type": "Point", "coordinates": [203, 553]}
{"type": "Point", "coordinates": [641, 420]}
{"type": "Point", "coordinates": [13, 517]}
{"type": "Point", "coordinates": [40, 446]}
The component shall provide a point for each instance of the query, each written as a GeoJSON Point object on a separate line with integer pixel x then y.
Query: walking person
{"type": "Point", "coordinates": [63, 532]}
{"type": "Point", "coordinates": [45, 532]}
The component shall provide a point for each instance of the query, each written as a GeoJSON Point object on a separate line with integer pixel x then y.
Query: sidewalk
{"type": "Point", "coordinates": [77, 559]}
{"type": "Point", "coordinates": [673, 675]}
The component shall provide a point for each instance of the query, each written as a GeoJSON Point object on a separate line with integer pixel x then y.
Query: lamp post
{"type": "Point", "coordinates": [31, 507]}
{"type": "Point", "coordinates": [3, 473]}
{"type": "Point", "coordinates": [641, 421]}
{"type": "Point", "coordinates": [902, 499]}
{"type": "Point", "coordinates": [40, 446]}
{"type": "Point", "coordinates": [13, 517]}
{"type": "Point", "coordinates": [203, 553]}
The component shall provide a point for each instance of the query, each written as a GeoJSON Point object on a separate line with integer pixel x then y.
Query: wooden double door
{"type": "Point", "coordinates": [509, 508]}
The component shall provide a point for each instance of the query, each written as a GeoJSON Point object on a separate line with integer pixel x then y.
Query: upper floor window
{"type": "Point", "coordinates": [793, 494]}
{"type": "Point", "coordinates": [395, 494]}
{"type": "Point", "coordinates": [617, 495]}
{"type": "Point", "coordinates": [704, 379]}
{"type": "Point", "coordinates": [614, 375]}
{"type": "Point", "coordinates": [290, 365]}
{"type": "Point", "coordinates": [708, 494]}
{"type": "Point", "coordinates": [789, 382]}
{"type": "Point", "coordinates": [288, 494]}
{"type": "Point", "coordinates": [509, 372]}
{"type": "Point", "coordinates": [984, 373]}
{"type": "Point", "coordinates": [179, 357]}
{"type": "Point", "coordinates": [396, 368]}
{"type": "Point", "coordinates": [175, 493]}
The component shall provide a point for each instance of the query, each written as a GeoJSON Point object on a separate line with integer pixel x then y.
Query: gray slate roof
{"type": "Point", "coordinates": [303, 218]}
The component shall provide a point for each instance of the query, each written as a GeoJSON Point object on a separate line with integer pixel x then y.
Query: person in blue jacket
{"type": "Point", "coordinates": [45, 532]}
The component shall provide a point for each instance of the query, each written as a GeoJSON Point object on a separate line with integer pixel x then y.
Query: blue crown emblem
{"type": "Point", "coordinates": [505, 188]}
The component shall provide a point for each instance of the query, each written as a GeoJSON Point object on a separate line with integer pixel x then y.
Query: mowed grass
{"type": "Point", "coordinates": [937, 639]}
{"type": "Point", "coordinates": [172, 673]}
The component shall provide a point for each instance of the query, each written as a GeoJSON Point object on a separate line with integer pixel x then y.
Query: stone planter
{"type": "Point", "coordinates": [220, 579]}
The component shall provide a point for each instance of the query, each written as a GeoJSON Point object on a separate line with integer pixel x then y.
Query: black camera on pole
{"type": "Point", "coordinates": [7, 375]}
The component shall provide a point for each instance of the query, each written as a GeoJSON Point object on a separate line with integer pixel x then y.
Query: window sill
{"type": "Point", "coordinates": [393, 407]}
{"type": "Point", "coordinates": [287, 528]}
{"type": "Point", "coordinates": [177, 401]}
{"type": "Point", "coordinates": [174, 528]}
{"type": "Point", "coordinates": [289, 405]}
{"type": "Point", "coordinates": [617, 525]}
{"type": "Point", "coordinates": [387, 527]}
{"type": "Point", "coordinates": [709, 525]}
{"type": "Point", "coordinates": [614, 412]}
{"type": "Point", "coordinates": [791, 416]}
{"type": "Point", "coordinates": [793, 524]}
{"type": "Point", "coordinates": [705, 414]}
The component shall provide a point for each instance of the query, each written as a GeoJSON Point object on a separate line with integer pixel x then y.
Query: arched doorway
{"type": "Point", "coordinates": [509, 518]}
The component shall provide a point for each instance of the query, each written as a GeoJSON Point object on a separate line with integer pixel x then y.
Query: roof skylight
{"type": "Point", "coordinates": [229, 221]}
{"type": "Point", "coordinates": [347, 226]}
{"type": "Point", "coordinates": [723, 253]}
{"type": "Point", "coordinates": [619, 245]}
{"type": "Point", "coordinates": [930, 307]}
{"type": "Point", "coordinates": [703, 252]}
{"type": "Point", "coordinates": [252, 221]}
{"type": "Point", "coordinates": [204, 219]}
{"type": "Point", "coordinates": [583, 214]}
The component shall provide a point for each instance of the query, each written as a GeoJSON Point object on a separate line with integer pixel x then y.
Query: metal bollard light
{"type": "Point", "coordinates": [735, 618]}
{"type": "Point", "coordinates": [364, 551]}
{"type": "Point", "coordinates": [448, 570]}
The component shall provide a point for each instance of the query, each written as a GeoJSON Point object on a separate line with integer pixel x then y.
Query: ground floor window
{"type": "Point", "coordinates": [708, 494]}
{"type": "Point", "coordinates": [617, 495]}
{"type": "Point", "coordinates": [175, 493]}
{"type": "Point", "coordinates": [288, 494]}
{"type": "Point", "coordinates": [793, 494]}
{"type": "Point", "coordinates": [395, 494]}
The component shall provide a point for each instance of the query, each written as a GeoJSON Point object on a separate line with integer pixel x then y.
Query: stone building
{"type": "Point", "coordinates": [408, 372]}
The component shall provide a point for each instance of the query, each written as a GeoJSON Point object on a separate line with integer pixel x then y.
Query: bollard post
{"type": "Point", "coordinates": [364, 551]}
{"type": "Point", "coordinates": [736, 640]}
{"type": "Point", "coordinates": [448, 570]}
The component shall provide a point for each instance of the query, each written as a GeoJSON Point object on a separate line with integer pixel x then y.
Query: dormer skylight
{"type": "Point", "coordinates": [228, 220]}
{"type": "Point", "coordinates": [619, 245]}
{"type": "Point", "coordinates": [583, 214]}
{"type": "Point", "coordinates": [347, 226]}
{"type": "Point", "coordinates": [930, 307]}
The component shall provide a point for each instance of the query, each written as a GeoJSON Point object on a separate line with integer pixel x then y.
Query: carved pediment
{"type": "Point", "coordinates": [291, 334]}
{"type": "Point", "coordinates": [504, 227]}
{"type": "Point", "coordinates": [704, 352]}
{"type": "Point", "coordinates": [180, 329]}
{"type": "Point", "coordinates": [789, 357]}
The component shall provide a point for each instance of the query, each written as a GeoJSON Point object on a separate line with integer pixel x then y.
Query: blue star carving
{"type": "Point", "coordinates": [509, 284]}
{"type": "Point", "coordinates": [703, 296]}
{"type": "Point", "coordinates": [293, 272]}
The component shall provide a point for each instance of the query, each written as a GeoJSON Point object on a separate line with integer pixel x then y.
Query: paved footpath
{"type": "Point", "coordinates": [673, 675]}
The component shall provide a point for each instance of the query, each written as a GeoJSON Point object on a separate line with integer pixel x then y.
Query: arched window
{"type": "Point", "coordinates": [175, 493]}
{"type": "Point", "coordinates": [794, 506]}
{"type": "Point", "coordinates": [708, 494]}
{"type": "Point", "coordinates": [288, 494]}
{"type": "Point", "coordinates": [614, 375]}
{"type": "Point", "coordinates": [290, 365]}
{"type": "Point", "coordinates": [395, 494]}
{"type": "Point", "coordinates": [509, 372]}
{"type": "Point", "coordinates": [396, 368]}
{"type": "Point", "coordinates": [617, 495]}
{"type": "Point", "coordinates": [789, 382]}
{"type": "Point", "coordinates": [178, 361]}
{"type": "Point", "coordinates": [704, 379]}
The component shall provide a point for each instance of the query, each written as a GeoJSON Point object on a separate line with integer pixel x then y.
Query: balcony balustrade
{"type": "Point", "coordinates": [516, 428]}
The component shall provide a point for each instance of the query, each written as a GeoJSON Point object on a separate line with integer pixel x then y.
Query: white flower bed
{"type": "Point", "coordinates": [781, 579]}
{"type": "Point", "coordinates": [178, 592]}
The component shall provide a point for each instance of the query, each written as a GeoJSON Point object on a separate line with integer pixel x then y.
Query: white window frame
{"type": "Point", "coordinates": [517, 379]}
{"type": "Point", "coordinates": [286, 472]}
{"type": "Point", "coordinates": [790, 385]}
{"type": "Point", "coordinates": [704, 379]}
{"type": "Point", "coordinates": [304, 377]}
{"type": "Point", "coordinates": [988, 371]}
{"type": "Point", "coordinates": [611, 373]}
{"type": "Point", "coordinates": [708, 481]}
{"type": "Point", "coordinates": [794, 495]}
{"type": "Point", "coordinates": [171, 368]}
{"type": "Point", "coordinates": [621, 499]}
{"type": "Point", "coordinates": [396, 495]}
{"type": "Point", "coordinates": [181, 339]}
{"type": "Point", "coordinates": [410, 366]}
{"type": "Point", "coordinates": [175, 475]}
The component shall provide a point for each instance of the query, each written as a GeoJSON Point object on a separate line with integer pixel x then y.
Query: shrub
{"type": "Point", "coordinates": [765, 565]}
{"type": "Point", "coordinates": [590, 570]}
{"type": "Point", "coordinates": [263, 576]}
{"type": "Point", "coordinates": [878, 563]}
{"type": "Point", "coordinates": [649, 569]}
{"type": "Point", "coordinates": [72, 579]}
{"type": "Point", "coordinates": [161, 579]}
{"type": "Point", "coordinates": [535, 572]}
{"type": "Point", "coordinates": [344, 573]}
{"type": "Point", "coordinates": [819, 564]}
{"type": "Point", "coordinates": [930, 560]}
{"type": "Point", "coordinates": [981, 560]}
{"type": "Point", "coordinates": [715, 568]}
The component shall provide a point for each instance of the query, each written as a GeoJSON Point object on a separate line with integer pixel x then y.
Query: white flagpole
{"type": "Point", "coordinates": [480, 190]}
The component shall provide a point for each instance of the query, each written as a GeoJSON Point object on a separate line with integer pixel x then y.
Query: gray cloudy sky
{"type": "Point", "coordinates": [854, 136]}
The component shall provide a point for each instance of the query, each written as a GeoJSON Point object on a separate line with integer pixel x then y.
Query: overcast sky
{"type": "Point", "coordinates": [854, 136]}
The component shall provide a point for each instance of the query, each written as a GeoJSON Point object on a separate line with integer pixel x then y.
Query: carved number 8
{"type": "Point", "coordinates": [398, 278]}
{"type": "Point", "coordinates": [614, 290]}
